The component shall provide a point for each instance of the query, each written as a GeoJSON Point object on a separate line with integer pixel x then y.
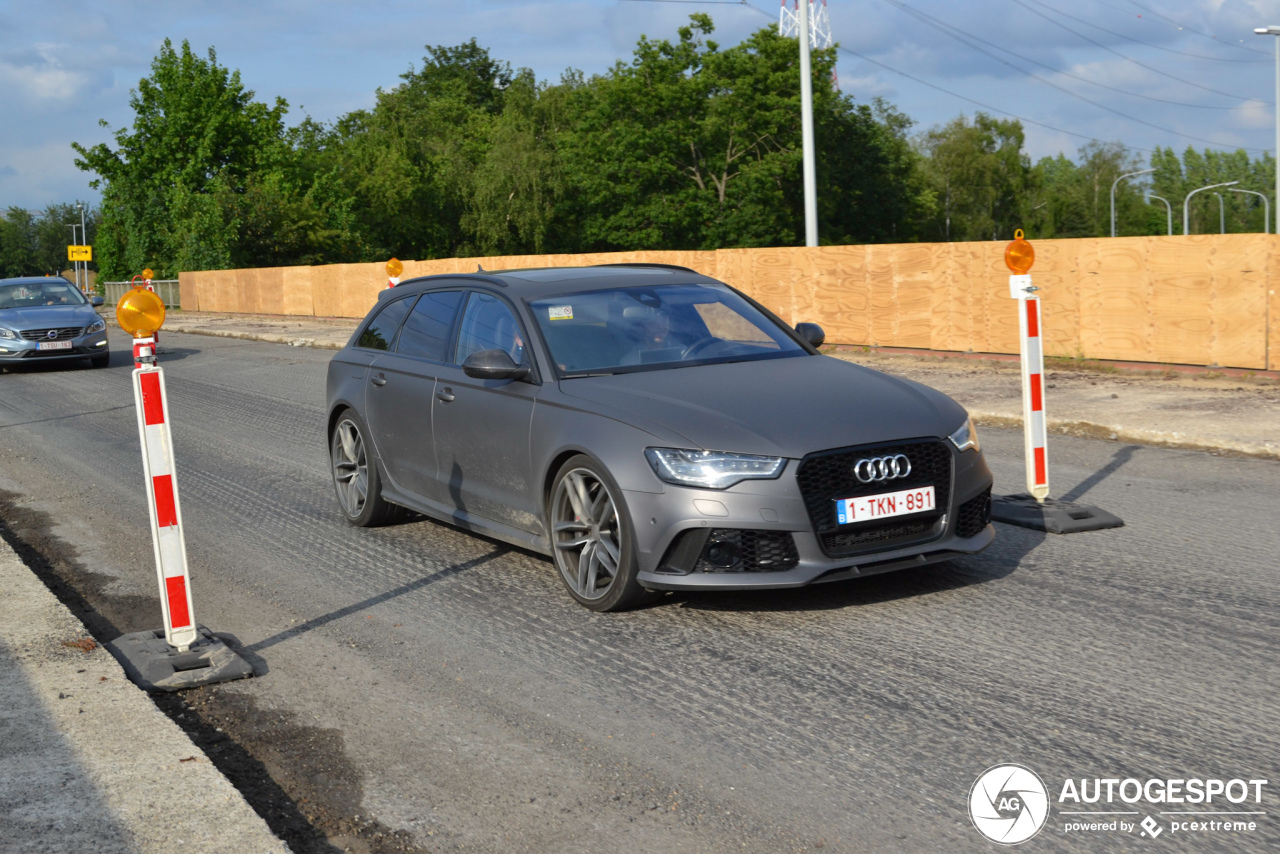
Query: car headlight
{"type": "Point", "coordinates": [711, 469]}
{"type": "Point", "coordinates": [966, 437]}
{"type": "Point", "coordinates": [97, 326]}
{"type": "Point", "coordinates": [7, 333]}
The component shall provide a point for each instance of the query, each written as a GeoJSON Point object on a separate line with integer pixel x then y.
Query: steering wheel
{"type": "Point", "coordinates": [700, 345]}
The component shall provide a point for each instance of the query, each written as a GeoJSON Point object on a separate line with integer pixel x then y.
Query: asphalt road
{"type": "Point", "coordinates": [452, 697]}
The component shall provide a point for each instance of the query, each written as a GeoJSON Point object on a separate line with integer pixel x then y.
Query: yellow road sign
{"type": "Point", "coordinates": [79, 253]}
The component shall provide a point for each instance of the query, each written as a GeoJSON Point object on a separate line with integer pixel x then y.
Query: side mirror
{"type": "Point", "coordinates": [494, 365]}
{"type": "Point", "coordinates": [96, 301]}
{"type": "Point", "coordinates": [812, 333]}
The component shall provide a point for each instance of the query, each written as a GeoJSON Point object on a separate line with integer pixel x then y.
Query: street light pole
{"type": "Point", "coordinates": [806, 132]}
{"type": "Point", "coordinates": [1275, 31]}
{"type": "Point", "coordinates": [84, 235]}
{"type": "Point", "coordinates": [1186, 210]}
{"type": "Point", "coordinates": [75, 265]}
{"type": "Point", "coordinates": [1168, 210]}
{"type": "Point", "coordinates": [1266, 207]}
{"type": "Point", "coordinates": [1113, 196]}
{"type": "Point", "coordinates": [1222, 215]}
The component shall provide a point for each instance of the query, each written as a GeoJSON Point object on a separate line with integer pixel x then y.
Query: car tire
{"type": "Point", "coordinates": [357, 482]}
{"type": "Point", "coordinates": [100, 361]}
{"type": "Point", "coordinates": [588, 520]}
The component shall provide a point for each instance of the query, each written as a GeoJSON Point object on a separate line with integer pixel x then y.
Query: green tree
{"type": "Point", "coordinates": [980, 176]}
{"type": "Point", "coordinates": [19, 244]}
{"type": "Point", "coordinates": [173, 184]}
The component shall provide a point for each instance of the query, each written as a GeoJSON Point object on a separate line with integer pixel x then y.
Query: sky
{"type": "Point", "coordinates": [1180, 72]}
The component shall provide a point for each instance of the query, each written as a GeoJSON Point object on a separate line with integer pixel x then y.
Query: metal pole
{"type": "Point", "coordinates": [1168, 210]}
{"type": "Point", "coordinates": [1113, 196]}
{"type": "Point", "coordinates": [1222, 215]}
{"type": "Point", "coordinates": [84, 235]}
{"type": "Point", "coordinates": [1266, 207]}
{"type": "Point", "coordinates": [806, 130]}
{"type": "Point", "coordinates": [1186, 216]}
{"type": "Point", "coordinates": [1275, 32]}
{"type": "Point", "coordinates": [75, 265]}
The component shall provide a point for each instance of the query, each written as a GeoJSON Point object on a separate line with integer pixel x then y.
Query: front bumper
{"type": "Point", "coordinates": [29, 352]}
{"type": "Point", "coordinates": [756, 509]}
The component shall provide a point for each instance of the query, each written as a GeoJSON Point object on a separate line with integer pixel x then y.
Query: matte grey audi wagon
{"type": "Point", "coordinates": [649, 428]}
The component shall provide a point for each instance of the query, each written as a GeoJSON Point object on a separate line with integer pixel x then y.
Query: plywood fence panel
{"type": "Point", "coordinates": [246, 292]}
{"type": "Point", "coordinates": [771, 281]}
{"type": "Point", "coordinates": [188, 295]}
{"type": "Point", "coordinates": [295, 286]}
{"type": "Point", "coordinates": [1055, 273]}
{"type": "Point", "coordinates": [996, 324]}
{"type": "Point", "coordinates": [1180, 303]}
{"type": "Point", "coordinates": [879, 270]}
{"type": "Point", "coordinates": [841, 298]}
{"type": "Point", "coordinates": [326, 290]}
{"type": "Point", "coordinates": [913, 284]}
{"type": "Point", "coordinates": [1273, 303]}
{"type": "Point", "coordinates": [1197, 300]}
{"type": "Point", "coordinates": [271, 290]}
{"type": "Point", "coordinates": [1115, 293]}
{"type": "Point", "coordinates": [1238, 301]}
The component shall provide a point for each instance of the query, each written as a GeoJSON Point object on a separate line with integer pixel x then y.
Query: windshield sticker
{"type": "Point", "coordinates": [560, 312]}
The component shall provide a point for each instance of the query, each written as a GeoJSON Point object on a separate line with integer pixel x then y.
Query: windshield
{"type": "Point", "coordinates": [29, 294]}
{"type": "Point", "coordinates": [634, 329]}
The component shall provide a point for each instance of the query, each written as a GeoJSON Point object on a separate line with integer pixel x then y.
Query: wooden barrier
{"type": "Point", "coordinates": [1198, 300]}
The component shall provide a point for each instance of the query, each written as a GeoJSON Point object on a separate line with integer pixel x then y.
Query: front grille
{"type": "Point", "coordinates": [827, 476]}
{"type": "Point", "coordinates": [974, 515]}
{"type": "Point", "coordinates": [62, 333]}
{"type": "Point", "coordinates": [754, 551]}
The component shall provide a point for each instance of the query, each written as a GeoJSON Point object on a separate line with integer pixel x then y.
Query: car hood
{"type": "Point", "coordinates": [779, 407]}
{"type": "Point", "coordinates": [36, 317]}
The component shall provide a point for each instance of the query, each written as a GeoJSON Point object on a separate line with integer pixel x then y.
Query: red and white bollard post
{"type": "Point", "coordinates": [185, 654]}
{"type": "Point", "coordinates": [1035, 509]}
{"type": "Point", "coordinates": [162, 496]}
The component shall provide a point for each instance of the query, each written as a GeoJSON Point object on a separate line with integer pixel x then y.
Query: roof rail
{"type": "Point", "coordinates": [484, 277]}
{"type": "Point", "coordinates": [648, 264]}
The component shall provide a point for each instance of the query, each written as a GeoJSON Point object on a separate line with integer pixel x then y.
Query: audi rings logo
{"type": "Point", "coordinates": [879, 469]}
{"type": "Point", "coordinates": [1008, 804]}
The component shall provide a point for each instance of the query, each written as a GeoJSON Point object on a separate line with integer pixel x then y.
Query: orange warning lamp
{"type": "Point", "coordinates": [1018, 255]}
{"type": "Point", "coordinates": [394, 267]}
{"type": "Point", "coordinates": [140, 312]}
{"type": "Point", "coordinates": [148, 275]}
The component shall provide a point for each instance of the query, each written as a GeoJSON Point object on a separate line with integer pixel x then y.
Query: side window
{"type": "Point", "coordinates": [426, 332]}
{"type": "Point", "coordinates": [379, 334]}
{"type": "Point", "coordinates": [488, 324]}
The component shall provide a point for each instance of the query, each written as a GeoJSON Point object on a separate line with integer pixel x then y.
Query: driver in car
{"type": "Point", "coordinates": [656, 343]}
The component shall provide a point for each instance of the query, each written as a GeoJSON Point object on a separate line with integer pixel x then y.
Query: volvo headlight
{"type": "Point", "coordinates": [7, 333]}
{"type": "Point", "coordinates": [711, 469]}
{"type": "Point", "coordinates": [966, 437]}
{"type": "Point", "coordinates": [97, 326]}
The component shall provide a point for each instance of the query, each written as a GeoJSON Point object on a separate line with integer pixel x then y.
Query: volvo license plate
{"type": "Point", "coordinates": [868, 508]}
{"type": "Point", "coordinates": [54, 345]}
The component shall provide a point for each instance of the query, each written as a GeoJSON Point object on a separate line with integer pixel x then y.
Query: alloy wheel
{"type": "Point", "coordinates": [350, 468]}
{"type": "Point", "coordinates": [586, 533]}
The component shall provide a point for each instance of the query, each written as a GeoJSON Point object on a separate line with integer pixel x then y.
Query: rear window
{"type": "Point", "coordinates": [381, 331]}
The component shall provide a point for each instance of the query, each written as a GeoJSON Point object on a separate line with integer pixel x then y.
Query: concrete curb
{"type": "Point", "coordinates": [1135, 435]}
{"type": "Point", "coordinates": [90, 763]}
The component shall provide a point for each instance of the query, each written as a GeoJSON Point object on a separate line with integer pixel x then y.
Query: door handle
{"type": "Point", "coordinates": [380, 380]}
{"type": "Point", "coordinates": [445, 394]}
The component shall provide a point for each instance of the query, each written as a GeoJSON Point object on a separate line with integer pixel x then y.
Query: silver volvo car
{"type": "Point", "coordinates": [46, 318]}
{"type": "Point", "coordinates": [650, 429]}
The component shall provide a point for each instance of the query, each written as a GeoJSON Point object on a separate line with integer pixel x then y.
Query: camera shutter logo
{"type": "Point", "coordinates": [879, 469]}
{"type": "Point", "coordinates": [1008, 804]}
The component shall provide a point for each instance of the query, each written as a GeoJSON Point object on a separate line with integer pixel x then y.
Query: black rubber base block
{"type": "Point", "coordinates": [1056, 517]}
{"type": "Point", "coordinates": [155, 666]}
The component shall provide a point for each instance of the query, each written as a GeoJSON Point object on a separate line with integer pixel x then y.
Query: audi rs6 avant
{"type": "Point", "coordinates": [649, 428]}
